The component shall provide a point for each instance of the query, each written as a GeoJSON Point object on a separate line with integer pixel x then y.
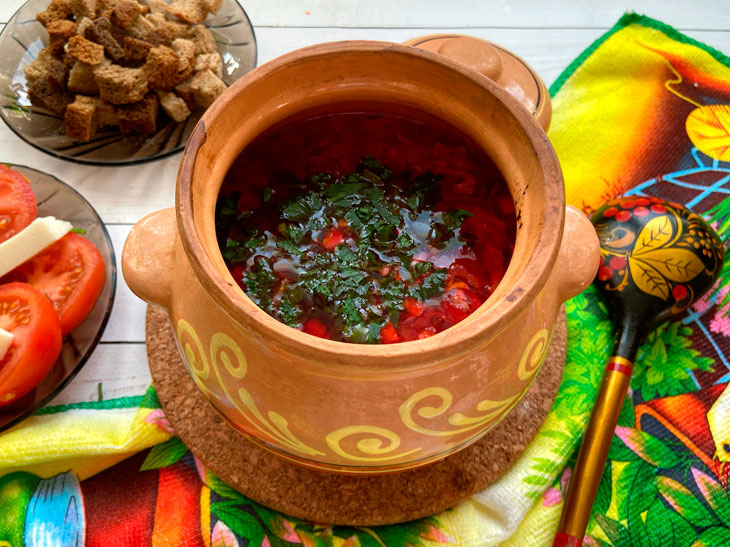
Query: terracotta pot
{"type": "Point", "coordinates": [349, 407]}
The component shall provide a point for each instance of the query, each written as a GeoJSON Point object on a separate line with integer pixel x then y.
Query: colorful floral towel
{"type": "Point", "coordinates": [644, 111]}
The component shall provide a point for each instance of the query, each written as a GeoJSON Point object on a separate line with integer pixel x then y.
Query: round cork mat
{"type": "Point", "coordinates": [343, 499]}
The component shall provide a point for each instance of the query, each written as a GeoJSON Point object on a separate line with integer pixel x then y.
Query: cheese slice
{"type": "Point", "coordinates": [6, 338]}
{"type": "Point", "coordinates": [31, 240]}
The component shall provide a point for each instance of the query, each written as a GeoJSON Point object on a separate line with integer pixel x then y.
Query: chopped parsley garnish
{"type": "Point", "coordinates": [350, 257]}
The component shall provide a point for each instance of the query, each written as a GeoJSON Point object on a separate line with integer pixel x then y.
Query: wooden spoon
{"type": "Point", "coordinates": [657, 258]}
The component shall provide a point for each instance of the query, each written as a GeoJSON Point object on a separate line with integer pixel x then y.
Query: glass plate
{"type": "Point", "coordinates": [23, 37]}
{"type": "Point", "coordinates": [56, 198]}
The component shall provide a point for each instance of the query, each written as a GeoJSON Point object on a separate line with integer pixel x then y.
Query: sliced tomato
{"type": "Point", "coordinates": [332, 238]}
{"type": "Point", "coordinates": [17, 202]}
{"type": "Point", "coordinates": [388, 334]}
{"type": "Point", "coordinates": [70, 273]}
{"type": "Point", "coordinates": [315, 327]}
{"type": "Point", "coordinates": [458, 304]}
{"type": "Point", "coordinates": [30, 317]}
{"type": "Point", "coordinates": [413, 307]}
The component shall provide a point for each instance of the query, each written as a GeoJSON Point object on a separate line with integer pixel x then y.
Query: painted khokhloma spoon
{"type": "Point", "coordinates": [657, 258]}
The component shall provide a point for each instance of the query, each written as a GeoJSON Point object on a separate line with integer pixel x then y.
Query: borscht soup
{"type": "Point", "coordinates": [366, 226]}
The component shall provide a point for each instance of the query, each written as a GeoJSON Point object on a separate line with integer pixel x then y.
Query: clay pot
{"type": "Point", "coordinates": [349, 407]}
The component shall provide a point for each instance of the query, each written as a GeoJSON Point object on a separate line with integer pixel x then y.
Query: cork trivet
{"type": "Point", "coordinates": [343, 499]}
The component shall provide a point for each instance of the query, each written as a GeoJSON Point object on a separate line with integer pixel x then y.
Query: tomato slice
{"type": "Point", "coordinates": [315, 327]}
{"type": "Point", "coordinates": [30, 317]}
{"type": "Point", "coordinates": [17, 202]}
{"type": "Point", "coordinates": [70, 273]}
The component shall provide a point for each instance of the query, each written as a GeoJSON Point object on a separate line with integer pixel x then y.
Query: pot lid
{"type": "Point", "coordinates": [496, 63]}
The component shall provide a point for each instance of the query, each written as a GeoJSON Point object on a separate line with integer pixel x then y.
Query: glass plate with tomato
{"type": "Point", "coordinates": [56, 198]}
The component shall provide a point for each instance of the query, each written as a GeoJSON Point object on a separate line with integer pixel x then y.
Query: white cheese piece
{"type": "Point", "coordinates": [30, 241]}
{"type": "Point", "coordinates": [6, 338]}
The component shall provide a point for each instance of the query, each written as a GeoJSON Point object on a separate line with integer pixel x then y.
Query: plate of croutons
{"type": "Point", "coordinates": [110, 82]}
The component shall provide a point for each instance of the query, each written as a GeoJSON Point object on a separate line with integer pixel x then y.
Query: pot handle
{"type": "Point", "coordinates": [148, 258]}
{"type": "Point", "coordinates": [578, 257]}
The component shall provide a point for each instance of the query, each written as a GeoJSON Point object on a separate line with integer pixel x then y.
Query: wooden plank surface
{"type": "Point", "coordinates": [595, 14]}
{"type": "Point", "coordinates": [548, 34]}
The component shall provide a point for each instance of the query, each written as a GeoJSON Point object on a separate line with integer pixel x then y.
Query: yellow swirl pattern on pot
{"type": "Point", "coordinates": [534, 354]}
{"type": "Point", "coordinates": [224, 350]}
{"type": "Point", "coordinates": [195, 353]}
{"type": "Point", "coordinates": [366, 443]}
{"type": "Point", "coordinates": [371, 448]}
{"type": "Point", "coordinates": [461, 423]}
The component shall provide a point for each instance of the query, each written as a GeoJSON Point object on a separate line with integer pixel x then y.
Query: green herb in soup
{"type": "Point", "coordinates": [368, 255]}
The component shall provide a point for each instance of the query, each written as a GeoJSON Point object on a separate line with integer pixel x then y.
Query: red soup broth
{"type": "Point", "coordinates": [366, 226]}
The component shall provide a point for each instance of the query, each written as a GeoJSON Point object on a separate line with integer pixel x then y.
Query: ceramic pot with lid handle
{"type": "Point", "coordinates": [348, 407]}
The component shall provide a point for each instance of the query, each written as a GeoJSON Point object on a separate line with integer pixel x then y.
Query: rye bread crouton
{"type": "Point", "coordinates": [106, 115]}
{"type": "Point", "coordinates": [135, 51]}
{"type": "Point", "coordinates": [173, 106]}
{"type": "Point", "coordinates": [82, 24]}
{"type": "Point", "coordinates": [83, 8]}
{"type": "Point", "coordinates": [203, 39]}
{"type": "Point", "coordinates": [185, 92]}
{"type": "Point", "coordinates": [185, 50]}
{"type": "Point", "coordinates": [143, 29]}
{"type": "Point", "coordinates": [119, 85]}
{"type": "Point", "coordinates": [56, 11]}
{"type": "Point", "coordinates": [123, 13]}
{"type": "Point", "coordinates": [80, 118]}
{"type": "Point", "coordinates": [192, 11]}
{"type": "Point", "coordinates": [139, 117]}
{"type": "Point", "coordinates": [100, 32]}
{"type": "Point", "coordinates": [81, 79]}
{"type": "Point", "coordinates": [43, 93]}
{"type": "Point", "coordinates": [210, 61]}
{"type": "Point", "coordinates": [206, 87]}
{"type": "Point", "coordinates": [157, 6]}
{"type": "Point", "coordinates": [46, 67]}
{"type": "Point", "coordinates": [162, 68]}
{"type": "Point", "coordinates": [60, 30]}
{"type": "Point", "coordinates": [85, 51]}
{"type": "Point", "coordinates": [213, 6]}
{"type": "Point", "coordinates": [167, 28]}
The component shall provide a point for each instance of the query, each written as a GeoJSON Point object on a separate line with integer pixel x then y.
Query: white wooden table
{"type": "Point", "coordinates": [548, 34]}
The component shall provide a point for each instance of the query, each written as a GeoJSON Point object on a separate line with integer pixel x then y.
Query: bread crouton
{"type": "Point", "coordinates": [157, 6]}
{"type": "Point", "coordinates": [185, 92]}
{"type": "Point", "coordinates": [100, 32]}
{"type": "Point", "coordinates": [81, 79]}
{"type": "Point", "coordinates": [119, 85]}
{"type": "Point", "coordinates": [83, 8]}
{"type": "Point", "coordinates": [210, 61]}
{"type": "Point", "coordinates": [143, 29]}
{"type": "Point", "coordinates": [43, 93]}
{"type": "Point", "coordinates": [80, 118]}
{"type": "Point", "coordinates": [60, 30]}
{"type": "Point", "coordinates": [213, 6]}
{"type": "Point", "coordinates": [139, 117]}
{"type": "Point", "coordinates": [46, 66]}
{"type": "Point", "coordinates": [167, 28]}
{"type": "Point", "coordinates": [162, 68]}
{"type": "Point", "coordinates": [123, 13]}
{"type": "Point", "coordinates": [106, 115]}
{"type": "Point", "coordinates": [206, 87]}
{"type": "Point", "coordinates": [203, 39]}
{"type": "Point", "coordinates": [84, 50]}
{"type": "Point", "coordinates": [56, 11]}
{"type": "Point", "coordinates": [135, 51]}
{"type": "Point", "coordinates": [192, 11]}
{"type": "Point", "coordinates": [82, 24]}
{"type": "Point", "coordinates": [185, 50]}
{"type": "Point", "coordinates": [173, 106]}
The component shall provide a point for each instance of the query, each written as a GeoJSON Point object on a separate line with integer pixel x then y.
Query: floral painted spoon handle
{"type": "Point", "coordinates": [657, 258]}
